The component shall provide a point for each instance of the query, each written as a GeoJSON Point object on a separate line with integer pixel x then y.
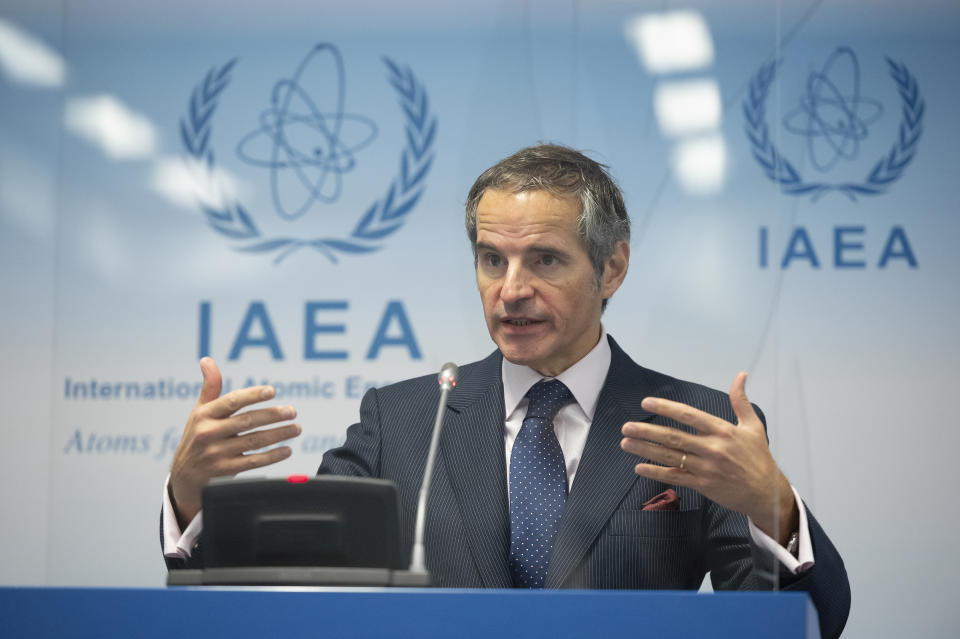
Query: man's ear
{"type": "Point", "coordinates": [615, 270]}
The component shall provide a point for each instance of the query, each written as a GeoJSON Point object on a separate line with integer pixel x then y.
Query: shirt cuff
{"type": "Point", "coordinates": [804, 559]}
{"type": "Point", "coordinates": [177, 544]}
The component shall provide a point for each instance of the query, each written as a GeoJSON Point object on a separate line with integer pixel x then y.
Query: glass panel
{"type": "Point", "coordinates": [281, 186]}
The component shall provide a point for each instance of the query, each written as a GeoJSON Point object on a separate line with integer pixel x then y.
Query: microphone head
{"type": "Point", "coordinates": [448, 375]}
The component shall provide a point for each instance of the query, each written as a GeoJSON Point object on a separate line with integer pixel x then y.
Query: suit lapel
{"type": "Point", "coordinates": [606, 472]}
{"type": "Point", "coordinates": [472, 452]}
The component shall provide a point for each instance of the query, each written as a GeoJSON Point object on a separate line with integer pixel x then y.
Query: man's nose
{"type": "Point", "coordinates": [516, 284]}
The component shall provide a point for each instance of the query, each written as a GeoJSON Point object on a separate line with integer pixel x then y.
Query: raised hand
{"type": "Point", "coordinates": [728, 463]}
{"type": "Point", "coordinates": [216, 441]}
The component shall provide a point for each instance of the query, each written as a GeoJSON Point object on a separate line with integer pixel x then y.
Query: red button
{"type": "Point", "coordinates": [298, 479]}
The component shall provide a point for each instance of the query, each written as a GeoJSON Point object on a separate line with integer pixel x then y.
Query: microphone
{"type": "Point", "coordinates": [447, 380]}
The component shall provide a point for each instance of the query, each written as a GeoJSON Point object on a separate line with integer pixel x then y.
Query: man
{"type": "Point", "coordinates": [562, 462]}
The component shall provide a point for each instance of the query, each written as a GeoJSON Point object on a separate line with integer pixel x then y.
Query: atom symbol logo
{"type": "Point", "coordinates": [834, 122]}
{"type": "Point", "coordinates": [311, 149]}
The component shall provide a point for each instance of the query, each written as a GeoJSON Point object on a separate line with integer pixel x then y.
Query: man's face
{"type": "Point", "coordinates": [539, 290]}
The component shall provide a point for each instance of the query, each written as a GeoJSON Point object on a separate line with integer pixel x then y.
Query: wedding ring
{"type": "Point", "coordinates": [683, 461]}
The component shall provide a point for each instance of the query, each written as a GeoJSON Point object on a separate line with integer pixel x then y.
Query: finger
{"type": "Point", "coordinates": [235, 400]}
{"type": "Point", "coordinates": [251, 419]}
{"type": "Point", "coordinates": [212, 381]}
{"type": "Point", "coordinates": [666, 436]}
{"type": "Point", "coordinates": [260, 439]}
{"type": "Point", "coordinates": [703, 422]}
{"type": "Point", "coordinates": [241, 463]}
{"type": "Point", "coordinates": [738, 399]}
{"type": "Point", "coordinates": [667, 475]}
{"type": "Point", "coordinates": [658, 454]}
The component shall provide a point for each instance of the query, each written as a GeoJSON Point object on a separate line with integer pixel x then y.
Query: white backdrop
{"type": "Point", "coordinates": [151, 214]}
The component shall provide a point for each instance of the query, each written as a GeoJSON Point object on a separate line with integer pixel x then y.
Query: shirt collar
{"type": "Point", "coordinates": [584, 379]}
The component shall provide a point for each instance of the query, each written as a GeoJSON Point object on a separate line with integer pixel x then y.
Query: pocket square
{"type": "Point", "coordinates": [667, 500]}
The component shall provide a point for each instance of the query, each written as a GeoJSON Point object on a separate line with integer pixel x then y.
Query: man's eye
{"type": "Point", "coordinates": [548, 260]}
{"type": "Point", "coordinates": [492, 259]}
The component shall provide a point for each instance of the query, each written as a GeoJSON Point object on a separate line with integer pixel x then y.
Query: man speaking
{"type": "Point", "coordinates": [562, 463]}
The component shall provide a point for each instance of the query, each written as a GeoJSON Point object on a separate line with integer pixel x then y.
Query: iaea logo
{"type": "Point", "coordinates": [834, 117]}
{"type": "Point", "coordinates": [304, 143]}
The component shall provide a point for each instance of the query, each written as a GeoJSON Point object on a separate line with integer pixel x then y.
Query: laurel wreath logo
{"type": "Point", "coordinates": [383, 218]}
{"type": "Point", "coordinates": [884, 173]}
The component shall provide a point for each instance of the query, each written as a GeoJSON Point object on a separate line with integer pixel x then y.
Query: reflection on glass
{"type": "Point", "coordinates": [106, 122]}
{"type": "Point", "coordinates": [685, 107]}
{"type": "Point", "coordinates": [671, 42]}
{"type": "Point", "coordinates": [700, 163]}
{"type": "Point", "coordinates": [187, 182]}
{"type": "Point", "coordinates": [27, 59]}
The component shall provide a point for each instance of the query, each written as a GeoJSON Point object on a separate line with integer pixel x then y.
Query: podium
{"type": "Point", "coordinates": [358, 612]}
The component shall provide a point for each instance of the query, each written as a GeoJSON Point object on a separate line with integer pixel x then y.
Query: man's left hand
{"type": "Point", "coordinates": [729, 464]}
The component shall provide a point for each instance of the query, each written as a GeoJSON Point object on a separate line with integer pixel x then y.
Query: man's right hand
{"type": "Point", "coordinates": [216, 443]}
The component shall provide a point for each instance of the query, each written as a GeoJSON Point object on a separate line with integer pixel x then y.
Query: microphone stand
{"type": "Point", "coordinates": [417, 573]}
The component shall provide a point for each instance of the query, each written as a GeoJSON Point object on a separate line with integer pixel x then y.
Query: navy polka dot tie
{"type": "Point", "coordinates": [538, 485]}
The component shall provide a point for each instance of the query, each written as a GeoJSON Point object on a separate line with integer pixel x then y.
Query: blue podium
{"type": "Point", "coordinates": [325, 612]}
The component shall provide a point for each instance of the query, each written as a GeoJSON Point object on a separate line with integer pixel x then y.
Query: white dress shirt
{"type": "Point", "coordinates": [572, 422]}
{"type": "Point", "coordinates": [572, 425]}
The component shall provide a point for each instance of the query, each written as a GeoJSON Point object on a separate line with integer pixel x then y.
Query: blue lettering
{"type": "Point", "coordinates": [841, 245]}
{"type": "Point", "coordinates": [849, 248]}
{"type": "Point", "coordinates": [352, 388]}
{"type": "Point", "coordinates": [319, 443]}
{"type": "Point", "coordinates": [169, 444]}
{"type": "Point", "coordinates": [897, 236]}
{"type": "Point", "coordinates": [795, 252]}
{"type": "Point", "coordinates": [311, 328]}
{"type": "Point", "coordinates": [123, 444]}
{"type": "Point", "coordinates": [406, 338]}
{"type": "Point", "coordinates": [257, 330]}
{"type": "Point", "coordinates": [763, 242]}
{"type": "Point", "coordinates": [256, 313]}
{"type": "Point", "coordinates": [355, 386]}
{"type": "Point", "coordinates": [327, 390]}
{"type": "Point", "coordinates": [75, 442]}
{"type": "Point", "coordinates": [203, 344]}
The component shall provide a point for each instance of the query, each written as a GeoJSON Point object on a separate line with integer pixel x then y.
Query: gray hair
{"type": "Point", "coordinates": [562, 172]}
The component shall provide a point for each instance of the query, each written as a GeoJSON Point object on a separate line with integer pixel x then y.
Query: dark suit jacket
{"type": "Point", "coordinates": [605, 539]}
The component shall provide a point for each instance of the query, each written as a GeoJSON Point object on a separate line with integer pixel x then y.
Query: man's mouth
{"type": "Point", "coordinates": [515, 321]}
